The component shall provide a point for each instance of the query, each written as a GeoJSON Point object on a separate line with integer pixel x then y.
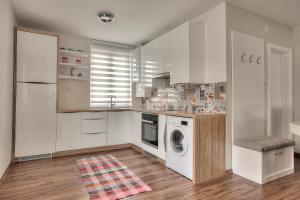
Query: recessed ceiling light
{"type": "Point", "coordinates": [106, 17]}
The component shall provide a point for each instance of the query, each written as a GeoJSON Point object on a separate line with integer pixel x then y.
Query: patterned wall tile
{"type": "Point", "coordinates": [190, 97]}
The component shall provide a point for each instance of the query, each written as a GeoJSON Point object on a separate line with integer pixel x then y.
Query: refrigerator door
{"type": "Point", "coordinates": [36, 57]}
{"type": "Point", "coordinates": [35, 119]}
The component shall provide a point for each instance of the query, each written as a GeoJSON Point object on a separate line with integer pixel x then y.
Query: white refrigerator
{"type": "Point", "coordinates": [35, 94]}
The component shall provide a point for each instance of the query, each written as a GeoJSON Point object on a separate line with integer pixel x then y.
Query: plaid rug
{"type": "Point", "coordinates": [106, 178]}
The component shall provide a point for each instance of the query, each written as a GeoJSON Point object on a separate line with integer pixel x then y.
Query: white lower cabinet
{"type": "Point", "coordinates": [68, 131]}
{"type": "Point", "coordinates": [94, 129]}
{"type": "Point", "coordinates": [118, 127]}
{"type": "Point", "coordinates": [162, 131]}
{"type": "Point", "coordinates": [136, 126]}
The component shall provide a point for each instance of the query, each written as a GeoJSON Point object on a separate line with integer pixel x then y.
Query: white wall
{"type": "Point", "coordinates": [74, 94]}
{"type": "Point", "coordinates": [296, 73]}
{"type": "Point", "coordinates": [6, 82]}
{"type": "Point", "coordinates": [215, 43]}
{"type": "Point", "coordinates": [246, 22]}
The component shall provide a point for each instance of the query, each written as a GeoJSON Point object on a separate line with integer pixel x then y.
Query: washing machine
{"type": "Point", "coordinates": [179, 142]}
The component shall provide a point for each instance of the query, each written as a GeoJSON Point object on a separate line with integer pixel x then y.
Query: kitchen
{"type": "Point", "coordinates": [164, 116]}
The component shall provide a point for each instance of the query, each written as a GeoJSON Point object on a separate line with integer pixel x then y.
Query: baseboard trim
{"type": "Point", "coordinates": [89, 150]}
{"type": "Point", "coordinates": [149, 155]}
{"type": "Point", "coordinates": [5, 173]}
{"type": "Point", "coordinates": [277, 175]}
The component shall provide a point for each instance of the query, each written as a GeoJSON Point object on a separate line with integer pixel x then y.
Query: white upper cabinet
{"type": "Point", "coordinates": [180, 54]}
{"type": "Point", "coordinates": [135, 64]}
{"type": "Point", "coordinates": [36, 57]}
{"type": "Point", "coordinates": [187, 47]}
{"type": "Point", "coordinates": [161, 49]}
{"type": "Point", "coordinates": [147, 64]}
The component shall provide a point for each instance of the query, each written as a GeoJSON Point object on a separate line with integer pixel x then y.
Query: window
{"type": "Point", "coordinates": [110, 74]}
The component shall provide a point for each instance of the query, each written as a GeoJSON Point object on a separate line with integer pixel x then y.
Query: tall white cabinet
{"type": "Point", "coordinates": [35, 119]}
{"type": "Point", "coordinates": [35, 94]}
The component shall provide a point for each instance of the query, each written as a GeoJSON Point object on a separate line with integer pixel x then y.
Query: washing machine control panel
{"type": "Point", "coordinates": [184, 123]}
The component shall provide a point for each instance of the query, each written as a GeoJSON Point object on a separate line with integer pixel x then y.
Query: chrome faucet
{"type": "Point", "coordinates": [111, 101]}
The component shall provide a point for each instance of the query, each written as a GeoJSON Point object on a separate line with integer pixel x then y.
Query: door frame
{"type": "Point", "coordinates": [289, 53]}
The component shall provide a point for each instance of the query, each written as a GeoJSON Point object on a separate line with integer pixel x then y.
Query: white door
{"type": "Point", "coordinates": [35, 119]}
{"type": "Point", "coordinates": [280, 88]}
{"type": "Point", "coordinates": [68, 131]}
{"type": "Point", "coordinates": [36, 57]}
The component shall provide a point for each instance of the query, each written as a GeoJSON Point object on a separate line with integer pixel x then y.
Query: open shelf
{"type": "Point", "coordinates": [79, 66]}
{"type": "Point", "coordinates": [73, 78]}
{"type": "Point", "coordinates": [74, 53]}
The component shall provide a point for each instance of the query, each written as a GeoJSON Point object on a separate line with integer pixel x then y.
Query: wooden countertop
{"type": "Point", "coordinates": [168, 113]}
{"type": "Point", "coordinates": [93, 110]}
{"type": "Point", "coordinates": [180, 113]}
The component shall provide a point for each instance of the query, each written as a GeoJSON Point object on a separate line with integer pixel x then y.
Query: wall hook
{"type": "Point", "coordinates": [244, 57]}
{"type": "Point", "coordinates": [251, 59]}
{"type": "Point", "coordinates": [259, 59]}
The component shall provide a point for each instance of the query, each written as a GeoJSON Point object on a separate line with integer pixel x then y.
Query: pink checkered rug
{"type": "Point", "coordinates": [106, 178]}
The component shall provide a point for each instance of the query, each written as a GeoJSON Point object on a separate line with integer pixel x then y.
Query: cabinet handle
{"type": "Point", "coordinates": [279, 153]}
{"type": "Point", "coordinates": [95, 119]}
{"type": "Point", "coordinates": [96, 133]}
{"type": "Point", "coordinates": [165, 137]}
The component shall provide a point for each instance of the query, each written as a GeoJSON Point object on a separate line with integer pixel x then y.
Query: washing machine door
{"type": "Point", "coordinates": [179, 142]}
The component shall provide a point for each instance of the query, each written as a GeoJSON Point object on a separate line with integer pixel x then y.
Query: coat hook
{"type": "Point", "coordinates": [259, 60]}
{"type": "Point", "coordinates": [244, 57]}
{"type": "Point", "coordinates": [251, 59]}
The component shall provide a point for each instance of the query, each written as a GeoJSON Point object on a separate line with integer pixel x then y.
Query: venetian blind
{"type": "Point", "coordinates": [110, 74]}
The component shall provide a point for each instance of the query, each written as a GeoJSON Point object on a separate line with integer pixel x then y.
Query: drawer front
{"type": "Point", "coordinates": [94, 115]}
{"type": "Point", "coordinates": [94, 126]}
{"type": "Point", "coordinates": [93, 140]}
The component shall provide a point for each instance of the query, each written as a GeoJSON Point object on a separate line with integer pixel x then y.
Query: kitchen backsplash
{"type": "Point", "coordinates": [190, 98]}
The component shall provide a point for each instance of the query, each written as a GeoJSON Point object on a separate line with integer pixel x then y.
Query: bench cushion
{"type": "Point", "coordinates": [264, 143]}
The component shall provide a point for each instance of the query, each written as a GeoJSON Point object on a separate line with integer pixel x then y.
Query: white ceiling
{"type": "Point", "coordinates": [136, 20]}
{"type": "Point", "coordinates": [283, 11]}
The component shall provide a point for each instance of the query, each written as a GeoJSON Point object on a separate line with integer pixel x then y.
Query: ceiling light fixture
{"type": "Point", "coordinates": [106, 17]}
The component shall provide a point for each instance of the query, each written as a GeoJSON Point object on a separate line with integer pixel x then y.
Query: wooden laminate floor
{"type": "Point", "coordinates": [58, 179]}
